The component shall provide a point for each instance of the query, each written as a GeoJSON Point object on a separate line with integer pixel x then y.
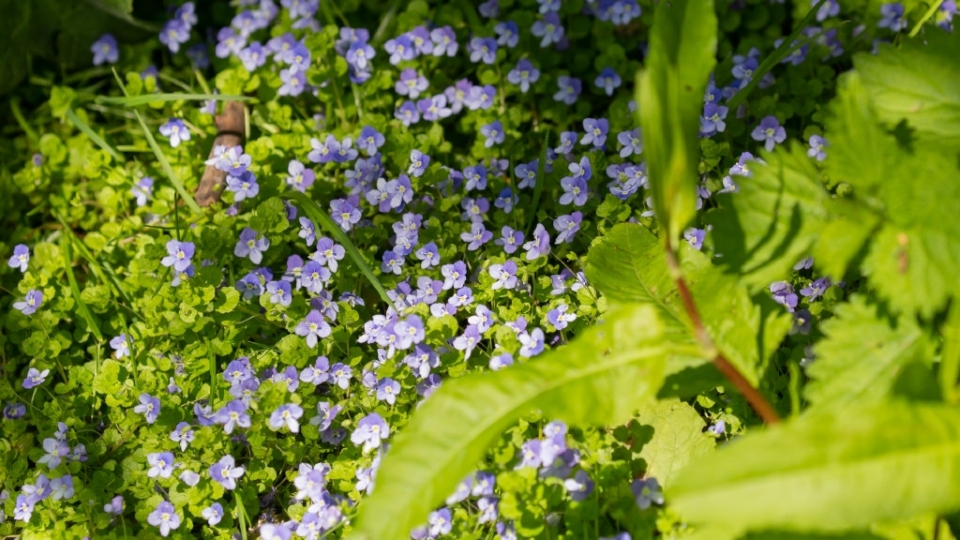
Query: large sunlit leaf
{"type": "Point", "coordinates": [627, 265]}
{"type": "Point", "coordinates": [917, 81]}
{"type": "Point", "coordinates": [602, 377]}
{"type": "Point", "coordinates": [683, 44]}
{"type": "Point", "coordinates": [836, 470]}
{"type": "Point", "coordinates": [678, 438]}
{"type": "Point", "coordinates": [772, 222]}
{"type": "Point", "coordinates": [861, 356]}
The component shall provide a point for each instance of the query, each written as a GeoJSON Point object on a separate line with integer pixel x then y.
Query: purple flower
{"type": "Point", "coordinates": [115, 506]}
{"type": "Point", "coordinates": [891, 17]}
{"type": "Point", "coordinates": [105, 50]}
{"type": "Point", "coordinates": [387, 390]}
{"type": "Point", "coordinates": [313, 327]}
{"type": "Point", "coordinates": [407, 113]}
{"type": "Point", "coordinates": [523, 75]}
{"type": "Point", "coordinates": [440, 522]}
{"type": "Point", "coordinates": [567, 227]}
{"type": "Point", "coordinates": [539, 245]}
{"type": "Point", "coordinates": [817, 145]}
{"type": "Point", "coordinates": [511, 239]}
{"type": "Point", "coordinates": [293, 82]}
{"type": "Point", "coordinates": [508, 35]}
{"type": "Point", "coordinates": [418, 163]}
{"type": "Point", "coordinates": [595, 131]}
{"type": "Point", "coordinates": [695, 237]}
{"type": "Point", "coordinates": [35, 378]}
{"type": "Point", "coordinates": [370, 140]}
{"type": "Point", "coordinates": [816, 288]}
{"type": "Point", "coordinates": [178, 255]}
{"type": "Point", "coordinates": [176, 130]}
{"type": "Point", "coordinates": [326, 415]}
{"type": "Point", "coordinates": [468, 341]}
{"type": "Point", "coordinates": [526, 173]}
{"type": "Point", "coordinates": [505, 275]}
{"type": "Point", "coordinates": [549, 30]}
{"type": "Point", "coordinates": [345, 212]}
{"type": "Point", "coordinates": [300, 177]}
{"type": "Point", "coordinates": [483, 49]}
{"type": "Point", "coordinates": [712, 121]}
{"type": "Point", "coordinates": [770, 132]}
{"type": "Point", "coordinates": [434, 108]}
{"type": "Point", "coordinates": [371, 430]}
{"type": "Point", "coordinates": [493, 133]}
{"type": "Point", "coordinates": [183, 434]}
{"type": "Point", "coordinates": [161, 464]}
{"type": "Point", "coordinates": [401, 48]}
{"type": "Point", "coordinates": [444, 41]}
{"type": "Point", "coordinates": [286, 415]}
{"type": "Point", "coordinates": [580, 486]}
{"type": "Point", "coordinates": [559, 317]}
{"type": "Point", "coordinates": [121, 344]}
{"type": "Point", "coordinates": [340, 375]}
{"type": "Point", "coordinates": [213, 514]}
{"type": "Point", "coordinates": [279, 292]}
{"type": "Point", "coordinates": [244, 186]}
{"type": "Point", "coordinates": [149, 407]}
{"type": "Point", "coordinates": [531, 344]}
{"type": "Point", "coordinates": [31, 302]}
{"type": "Point", "coordinates": [783, 294]}
{"type": "Point", "coordinates": [392, 263]}
{"type": "Point", "coordinates": [175, 32]}
{"type": "Point", "coordinates": [20, 257]}
{"type": "Point", "coordinates": [251, 245]}
{"type": "Point", "coordinates": [608, 80]}
{"type": "Point", "coordinates": [569, 90]}
{"type": "Point", "coordinates": [429, 255]}
{"type": "Point", "coordinates": [477, 236]}
{"type": "Point", "coordinates": [253, 56]}
{"type": "Point", "coordinates": [575, 190]}
{"type": "Point", "coordinates": [359, 54]}
{"type": "Point", "coordinates": [231, 415]}
{"type": "Point", "coordinates": [646, 492]}
{"type": "Point", "coordinates": [489, 9]}
{"type": "Point", "coordinates": [410, 83]}
{"type": "Point", "coordinates": [164, 518]}
{"type": "Point", "coordinates": [226, 472]}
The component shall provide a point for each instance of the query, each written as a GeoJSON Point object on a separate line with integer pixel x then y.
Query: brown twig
{"type": "Point", "coordinates": [752, 395]}
{"type": "Point", "coordinates": [230, 128]}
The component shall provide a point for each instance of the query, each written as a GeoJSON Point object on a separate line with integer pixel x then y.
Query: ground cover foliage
{"type": "Point", "coordinates": [518, 269]}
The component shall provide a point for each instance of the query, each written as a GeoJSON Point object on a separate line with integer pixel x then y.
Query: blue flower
{"type": "Point", "coordinates": [817, 145]}
{"type": "Point", "coordinates": [418, 163]}
{"type": "Point", "coordinates": [569, 90]}
{"type": "Point", "coordinates": [539, 245]}
{"type": "Point", "coordinates": [300, 177]}
{"type": "Point", "coordinates": [559, 317]}
{"type": "Point", "coordinates": [524, 74]}
{"type": "Point", "coordinates": [646, 492]}
{"type": "Point", "coordinates": [595, 131]}
{"type": "Point", "coordinates": [182, 434]}
{"type": "Point", "coordinates": [712, 121]}
{"type": "Point", "coordinates": [510, 239]}
{"type": "Point", "coordinates": [371, 430]}
{"type": "Point", "coordinates": [567, 227]}
{"type": "Point", "coordinates": [504, 275]}
{"type": "Point", "coordinates": [770, 132]}
{"type": "Point", "coordinates": [175, 32]}
{"type": "Point", "coordinates": [387, 390]}
{"type": "Point", "coordinates": [149, 407]}
{"type": "Point", "coordinates": [444, 41]}
{"type": "Point", "coordinates": [345, 212]}
{"type": "Point", "coordinates": [251, 245]}
{"type": "Point", "coordinates": [440, 522]}
{"type": "Point", "coordinates": [178, 255]}
{"type": "Point", "coordinates": [226, 472]}
{"type": "Point", "coordinates": [493, 132]}
{"type": "Point", "coordinates": [176, 130]}
{"type": "Point", "coordinates": [489, 9]}
{"type": "Point", "coordinates": [608, 80]}
{"type": "Point", "coordinates": [410, 83]}
{"type": "Point", "coordinates": [313, 327]}
{"type": "Point", "coordinates": [31, 302]}
{"type": "Point", "coordinates": [121, 344]}
{"type": "Point", "coordinates": [783, 294]}
{"type": "Point", "coordinates": [531, 344]}
{"type": "Point", "coordinates": [508, 35]}
{"type": "Point", "coordinates": [161, 464]}
{"type": "Point", "coordinates": [695, 237]}
{"type": "Point", "coordinates": [213, 514]}
{"type": "Point", "coordinates": [574, 190]}
{"type": "Point", "coordinates": [892, 17]}
{"type": "Point", "coordinates": [244, 186]}
{"type": "Point", "coordinates": [429, 255]}
{"type": "Point", "coordinates": [483, 49]}
{"type": "Point", "coordinates": [105, 50]}
{"type": "Point", "coordinates": [400, 48]}
{"type": "Point", "coordinates": [232, 415]}
{"type": "Point", "coordinates": [548, 29]}
{"type": "Point", "coordinates": [286, 415]}
{"type": "Point", "coordinates": [407, 113]}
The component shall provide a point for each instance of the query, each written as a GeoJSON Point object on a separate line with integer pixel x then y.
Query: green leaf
{"type": "Point", "coordinates": [318, 216]}
{"type": "Point", "coordinates": [950, 355]}
{"type": "Point", "coordinates": [773, 221]}
{"type": "Point", "coordinates": [861, 355]}
{"type": "Point", "coordinates": [133, 101]}
{"type": "Point", "coordinates": [678, 438]}
{"type": "Point", "coordinates": [602, 377]}
{"type": "Point", "coordinates": [92, 135]}
{"type": "Point", "coordinates": [82, 308]}
{"type": "Point", "coordinates": [917, 81]}
{"type": "Point", "coordinates": [627, 265]}
{"type": "Point", "coordinates": [683, 44]}
{"type": "Point", "coordinates": [829, 471]}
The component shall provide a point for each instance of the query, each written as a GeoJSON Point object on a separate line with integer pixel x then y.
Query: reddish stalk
{"type": "Point", "coordinates": [753, 396]}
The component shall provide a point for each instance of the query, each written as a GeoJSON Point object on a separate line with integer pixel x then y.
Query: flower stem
{"type": "Point", "coordinates": [753, 396]}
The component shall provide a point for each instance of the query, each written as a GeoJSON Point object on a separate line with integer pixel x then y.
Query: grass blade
{"type": "Point", "coordinates": [133, 101]}
{"type": "Point", "coordinates": [317, 215]}
{"type": "Point", "coordinates": [926, 17]}
{"type": "Point", "coordinates": [785, 48]}
{"type": "Point", "coordinates": [164, 164]}
{"type": "Point", "coordinates": [538, 189]}
{"type": "Point", "coordinates": [92, 135]}
{"type": "Point", "coordinates": [75, 288]}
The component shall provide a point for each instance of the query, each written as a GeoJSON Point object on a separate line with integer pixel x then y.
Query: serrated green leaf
{"type": "Point", "coordinates": [861, 355]}
{"type": "Point", "coordinates": [830, 471]}
{"type": "Point", "coordinates": [949, 373]}
{"type": "Point", "coordinates": [773, 221]}
{"type": "Point", "coordinates": [917, 81]}
{"type": "Point", "coordinates": [844, 237]}
{"type": "Point", "coordinates": [601, 377]}
{"type": "Point", "coordinates": [678, 438]}
{"type": "Point", "coordinates": [683, 44]}
{"type": "Point", "coordinates": [628, 265]}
